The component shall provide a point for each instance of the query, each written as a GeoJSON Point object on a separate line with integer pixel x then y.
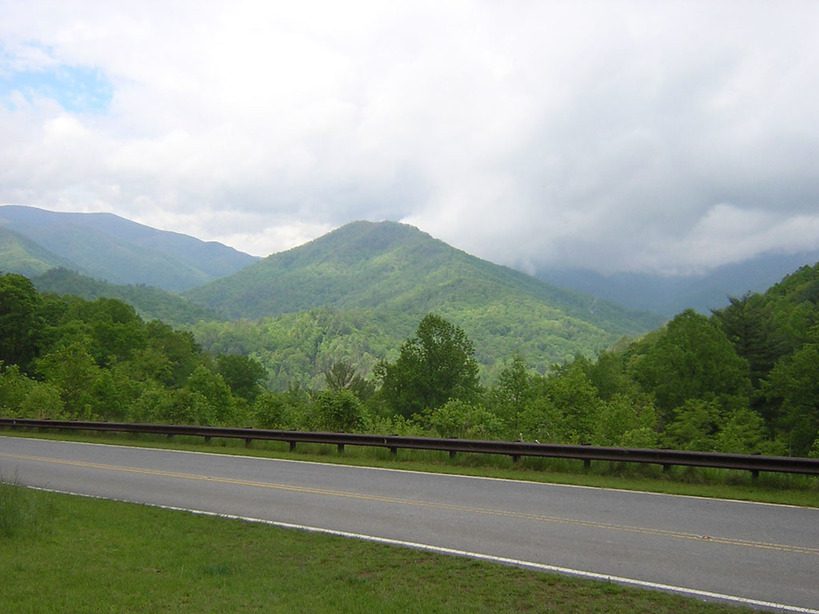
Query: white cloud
{"type": "Point", "coordinates": [604, 134]}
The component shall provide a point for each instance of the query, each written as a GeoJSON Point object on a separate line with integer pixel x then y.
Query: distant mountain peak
{"type": "Point", "coordinates": [397, 267]}
{"type": "Point", "coordinates": [112, 248]}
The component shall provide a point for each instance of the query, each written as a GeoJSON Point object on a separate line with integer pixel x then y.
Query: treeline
{"type": "Point", "coordinates": [745, 379]}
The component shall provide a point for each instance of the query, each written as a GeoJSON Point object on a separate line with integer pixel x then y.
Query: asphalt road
{"type": "Point", "coordinates": [755, 552]}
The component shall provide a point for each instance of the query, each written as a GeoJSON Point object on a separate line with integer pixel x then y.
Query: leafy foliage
{"type": "Point", "coordinates": [435, 366]}
{"type": "Point", "coordinates": [743, 380]}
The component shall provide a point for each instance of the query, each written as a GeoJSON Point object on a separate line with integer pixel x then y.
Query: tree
{"type": "Point", "coordinates": [339, 411]}
{"type": "Point", "coordinates": [576, 400]}
{"type": "Point", "coordinates": [465, 420]}
{"type": "Point", "coordinates": [693, 359]}
{"type": "Point", "coordinates": [74, 371]}
{"type": "Point", "coordinates": [342, 375]}
{"type": "Point", "coordinates": [243, 374]}
{"type": "Point", "coordinates": [748, 323]}
{"type": "Point", "coordinates": [694, 426]}
{"type": "Point", "coordinates": [512, 393]}
{"type": "Point", "coordinates": [436, 365]}
{"type": "Point", "coordinates": [794, 387]}
{"type": "Point", "coordinates": [19, 327]}
{"type": "Point", "coordinates": [210, 395]}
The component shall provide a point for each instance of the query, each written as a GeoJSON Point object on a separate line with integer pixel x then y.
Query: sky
{"type": "Point", "coordinates": [660, 137]}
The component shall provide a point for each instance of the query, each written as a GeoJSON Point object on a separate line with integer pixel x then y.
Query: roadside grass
{"type": "Point", "coordinates": [105, 556]}
{"type": "Point", "coordinates": [21, 511]}
{"type": "Point", "coordinates": [786, 489]}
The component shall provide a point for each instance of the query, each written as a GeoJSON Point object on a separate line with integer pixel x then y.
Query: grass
{"type": "Point", "coordinates": [104, 556]}
{"type": "Point", "coordinates": [769, 488]}
{"type": "Point", "coordinates": [21, 511]}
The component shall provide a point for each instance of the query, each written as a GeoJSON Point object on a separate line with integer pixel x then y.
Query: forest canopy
{"type": "Point", "coordinates": [744, 379]}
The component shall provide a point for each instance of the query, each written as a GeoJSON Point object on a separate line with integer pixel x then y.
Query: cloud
{"type": "Point", "coordinates": [613, 135]}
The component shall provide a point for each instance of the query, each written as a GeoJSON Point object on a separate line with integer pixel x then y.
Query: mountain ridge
{"type": "Point", "coordinates": [120, 251]}
{"type": "Point", "coordinates": [380, 264]}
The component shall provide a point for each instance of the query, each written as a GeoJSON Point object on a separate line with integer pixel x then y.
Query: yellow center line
{"type": "Point", "coordinates": [422, 504]}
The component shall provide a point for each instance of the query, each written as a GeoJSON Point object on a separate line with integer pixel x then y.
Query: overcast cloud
{"type": "Point", "coordinates": [650, 136]}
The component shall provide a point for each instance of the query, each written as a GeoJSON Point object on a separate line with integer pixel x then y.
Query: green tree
{"type": "Point", "coordinates": [19, 322]}
{"type": "Point", "coordinates": [210, 397]}
{"type": "Point", "coordinates": [622, 420]}
{"type": "Point", "coordinates": [576, 400]}
{"type": "Point", "coordinates": [694, 426]}
{"type": "Point", "coordinates": [436, 365]}
{"type": "Point", "coordinates": [243, 374]}
{"type": "Point", "coordinates": [343, 375]}
{"type": "Point", "coordinates": [743, 433]}
{"type": "Point", "coordinates": [693, 359]}
{"type": "Point", "coordinates": [464, 420]}
{"type": "Point", "coordinates": [339, 411]}
{"type": "Point", "coordinates": [74, 371]}
{"type": "Point", "coordinates": [511, 394]}
{"type": "Point", "coordinates": [749, 324]}
{"type": "Point", "coordinates": [793, 387]}
{"type": "Point", "coordinates": [270, 410]}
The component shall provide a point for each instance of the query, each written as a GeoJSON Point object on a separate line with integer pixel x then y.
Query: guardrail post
{"type": "Point", "coordinates": [340, 448]}
{"type": "Point", "coordinates": [586, 464]}
{"type": "Point", "coordinates": [248, 442]}
{"type": "Point", "coordinates": [207, 438]}
{"type": "Point", "coordinates": [292, 445]}
{"type": "Point", "coordinates": [515, 458]}
{"type": "Point", "coordinates": [754, 475]}
{"type": "Point", "coordinates": [452, 454]}
{"type": "Point", "coordinates": [666, 468]}
{"type": "Point", "coordinates": [394, 451]}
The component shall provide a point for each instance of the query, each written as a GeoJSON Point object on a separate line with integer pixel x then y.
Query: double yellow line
{"type": "Point", "coordinates": [326, 492]}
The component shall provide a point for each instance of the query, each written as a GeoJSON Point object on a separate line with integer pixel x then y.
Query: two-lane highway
{"type": "Point", "coordinates": [754, 552]}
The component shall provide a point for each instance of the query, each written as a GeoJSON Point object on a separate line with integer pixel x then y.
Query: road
{"type": "Point", "coordinates": [747, 552]}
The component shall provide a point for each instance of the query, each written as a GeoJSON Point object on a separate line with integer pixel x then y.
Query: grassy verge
{"type": "Point", "coordinates": [102, 556]}
{"type": "Point", "coordinates": [768, 488]}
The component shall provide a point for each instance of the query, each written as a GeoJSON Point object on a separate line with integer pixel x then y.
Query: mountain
{"type": "Point", "coordinates": [668, 295]}
{"type": "Point", "coordinates": [108, 247]}
{"type": "Point", "coordinates": [20, 255]}
{"type": "Point", "coordinates": [151, 303]}
{"type": "Point", "coordinates": [394, 266]}
{"type": "Point", "coordinates": [383, 278]}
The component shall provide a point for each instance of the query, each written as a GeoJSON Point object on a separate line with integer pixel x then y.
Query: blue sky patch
{"type": "Point", "coordinates": [77, 89]}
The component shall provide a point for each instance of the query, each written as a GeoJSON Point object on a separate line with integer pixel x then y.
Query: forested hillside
{"type": "Point", "coordinates": [19, 255]}
{"type": "Point", "coordinates": [397, 267]}
{"type": "Point", "coordinates": [355, 293]}
{"type": "Point", "coordinates": [151, 303]}
{"type": "Point", "coordinates": [745, 379]}
{"type": "Point", "coordinates": [108, 247]}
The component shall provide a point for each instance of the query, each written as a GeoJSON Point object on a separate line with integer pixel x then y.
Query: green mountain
{"type": "Point", "coordinates": [359, 291]}
{"type": "Point", "coordinates": [151, 303]}
{"type": "Point", "coordinates": [105, 246]}
{"type": "Point", "coordinates": [20, 255]}
{"type": "Point", "coordinates": [394, 266]}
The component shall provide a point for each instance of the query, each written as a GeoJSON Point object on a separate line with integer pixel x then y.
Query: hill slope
{"type": "Point", "coordinates": [105, 246]}
{"type": "Point", "coordinates": [393, 266]}
{"type": "Point", "coordinates": [670, 295]}
{"type": "Point", "coordinates": [360, 290]}
{"type": "Point", "coordinates": [151, 303]}
{"type": "Point", "coordinates": [20, 255]}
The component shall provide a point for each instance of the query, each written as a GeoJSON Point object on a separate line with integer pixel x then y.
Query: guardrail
{"type": "Point", "coordinates": [516, 449]}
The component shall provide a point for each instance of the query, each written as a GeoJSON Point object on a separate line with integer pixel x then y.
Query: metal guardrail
{"type": "Point", "coordinates": [516, 449]}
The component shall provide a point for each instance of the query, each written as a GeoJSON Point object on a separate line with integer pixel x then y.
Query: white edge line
{"type": "Point", "coordinates": [567, 571]}
{"type": "Point", "coordinates": [434, 473]}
